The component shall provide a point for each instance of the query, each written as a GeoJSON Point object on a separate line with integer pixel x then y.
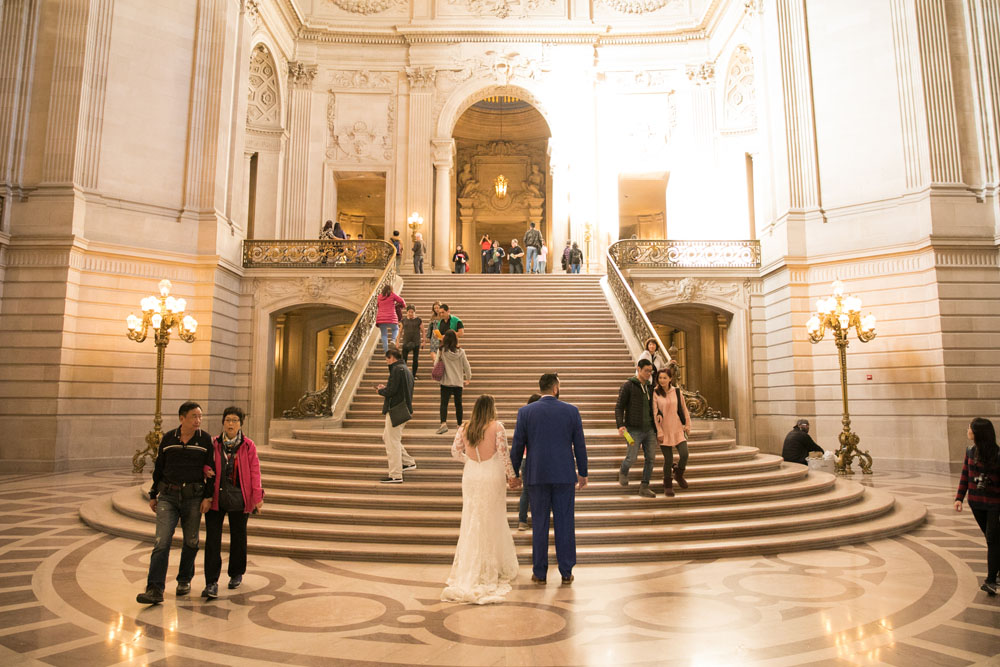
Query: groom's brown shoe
{"type": "Point", "coordinates": [567, 580]}
{"type": "Point", "coordinates": [540, 582]}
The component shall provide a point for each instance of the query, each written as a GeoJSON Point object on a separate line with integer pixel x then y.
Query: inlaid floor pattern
{"type": "Point", "coordinates": [324, 500]}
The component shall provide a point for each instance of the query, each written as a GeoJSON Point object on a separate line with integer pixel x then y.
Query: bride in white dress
{"type": "Point", "coordinates": [485, 562]}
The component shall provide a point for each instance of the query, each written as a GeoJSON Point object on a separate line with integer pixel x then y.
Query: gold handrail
{"type": "Point", "coordinates": [657, 253]}
{"type": "Point", "coordinates": [319, 254]}
{"type": "Point", "coordinates": [643, 329]}
{"type": "Point", "coordinates": [320, 403]}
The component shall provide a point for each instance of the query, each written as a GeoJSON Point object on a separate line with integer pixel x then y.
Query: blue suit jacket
{"type": "Point", "coordinates": [553, 433]}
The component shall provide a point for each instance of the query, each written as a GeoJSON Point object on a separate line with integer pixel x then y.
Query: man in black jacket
{"type": "Point", "coordinates": [798, 443]}
{"type": "Point", "coordinates": [397, 392]}
{"type": "Point", "coordinates": [179, 493]}
{"type": "Point", "coordinates": [634, 412]}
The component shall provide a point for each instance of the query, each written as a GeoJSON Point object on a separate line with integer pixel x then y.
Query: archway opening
{"type": "Point", "coordinates": [500, 138]}
{"type": "Point", "coordinates": [305, 338]}
{"type": "Point", "coordinates": [697, 337]}
{"type": "Point", "coordinates": [642, 205]}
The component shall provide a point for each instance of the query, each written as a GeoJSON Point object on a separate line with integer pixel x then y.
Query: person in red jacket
{"type": "Point", "coordinates": [981, 480]}
{"type": "Point", "coordinates": [386, 318]}
{"type": "Point", "coordinates": [238, 493]}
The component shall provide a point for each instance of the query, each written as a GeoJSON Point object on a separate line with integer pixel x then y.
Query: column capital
{"type": "Point", "coordinates": [301, 75]}
{"type": "Point", "coordinates": [421, 78]}
{"type": "Point", "coordinates": [701, 74]}
{"type": "Point", "coordinates": [443, 153]}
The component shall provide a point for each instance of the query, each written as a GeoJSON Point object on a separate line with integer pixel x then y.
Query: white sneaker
{"type": "Point", "coordinates": [443, 429]}
{"type": "Point", "coordinates": [412, 466]}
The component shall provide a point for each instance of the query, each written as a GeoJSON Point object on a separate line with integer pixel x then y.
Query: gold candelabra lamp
{"type": "Point", "coordinates": [415, 221]}
{"type": "Point", "coordinates": [161, 314]}
{"type": "Point", "coordinates": [840, 314]}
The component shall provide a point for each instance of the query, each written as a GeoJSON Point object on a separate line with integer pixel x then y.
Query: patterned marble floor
{"type": "Point", "coordinates": [67, 597]}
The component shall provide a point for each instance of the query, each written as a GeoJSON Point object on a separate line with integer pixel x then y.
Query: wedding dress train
{"type": "Point", "coordinates": [485, 561]}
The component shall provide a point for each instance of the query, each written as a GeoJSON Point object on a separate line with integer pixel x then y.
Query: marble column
{"type": "Point", "coordinates": [300, 80]}
{"type": "Point", "coordinates": [419, 167]}
{"type": "Point", "coordinates": [444, 150]}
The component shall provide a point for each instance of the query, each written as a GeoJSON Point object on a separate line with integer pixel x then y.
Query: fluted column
{"type": "Point", "coordinates": [985, 44]}
{"type": "Point", "coordinates": [300, 79]}
{"type": "Point", "coordinates": [17, 32]}
{"type": "Point", "coordinates": [419, 163]}
{"type": "Point", "coordinates": [444, 150]}
{"type": "Point", "coordinates": [90, 127]}
{"type": "Point", "coordinates": [799, 114]}
{"type": "Point", "coordinates": [203, 122]}
{"type": "Point", "coordinates": [64, 92]}
{"type": "Point", "coordinates": [559, 176]}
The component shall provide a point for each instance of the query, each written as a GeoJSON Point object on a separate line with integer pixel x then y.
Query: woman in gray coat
{"type": "Point", "coordinates": [457, 375]}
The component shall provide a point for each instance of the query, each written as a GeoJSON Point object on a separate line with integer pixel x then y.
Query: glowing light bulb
{"type": "Point", "coordinates": [868, 323]}
{"type": "Point", "coordinates": [820, 305]}
{"type": "Point", "coordinates": [133, 322]}
{"type": "Point", "coordinates": [157, 320]}
{"type": "Point", "coordinates": [838, 288]}
{"type": "Point", "coordinates": [190, 324]}
{"type": "Point", "coordinates": [813, 324]}
{"type": "Point", "coordinates": [165, 287]}
{"type": "Point", "coordinates": [844, 320]}
{"type": "Point", "coordinates": [181, 305]}
{"type": "Point", "coordinates": [853, 304]}
{"type": "Point", "coordinates": [171, 304]}
{"type": "Point", "coordinates": [149, 304]}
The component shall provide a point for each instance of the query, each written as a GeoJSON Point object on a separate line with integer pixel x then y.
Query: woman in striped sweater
{"type": "Point", "coordinates": [981, 480]}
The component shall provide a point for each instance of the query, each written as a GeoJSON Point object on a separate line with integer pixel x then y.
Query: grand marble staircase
{"type": "Point", "coordinates": [324, 500]}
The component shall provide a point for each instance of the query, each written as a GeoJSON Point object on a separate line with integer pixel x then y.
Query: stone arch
{"type": "Point", "coordinates": [264, 90]}
{"type": "Point", "coordinates": [739, 97]}
{"type": "Point", "coordinates": [470, 92]}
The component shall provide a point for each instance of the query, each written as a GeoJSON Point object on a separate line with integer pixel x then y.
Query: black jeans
{"type": "Point", "coordinates": [447, 392]}
{"type": "Point", "coordinates": [516, 266]}
{"type": "Point", "coordinates": [989, 523]}
{"type": "Point", "coordinates": [213, 544]}
{"type": "Point", "coordinates": [416, 355]}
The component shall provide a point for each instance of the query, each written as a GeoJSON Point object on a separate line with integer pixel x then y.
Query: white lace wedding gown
{"type": "Point", "coordinates": [485, 561]}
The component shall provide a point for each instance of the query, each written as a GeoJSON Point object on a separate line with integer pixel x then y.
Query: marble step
{"type": "Point", "coordinates": [775, 472]}
{"type": "Point", "coordinates": [101, 514]}
{"type": "Point", "coordinates": [439, 459]}
{"type": "Point", "coordinates": [348, 439]}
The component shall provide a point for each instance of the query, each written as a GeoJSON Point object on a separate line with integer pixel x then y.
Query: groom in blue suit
{"type": "Point", "coordinates": [552, 432]}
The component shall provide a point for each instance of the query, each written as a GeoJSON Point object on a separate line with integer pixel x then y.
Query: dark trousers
{"type": "Point", "coordinates": [416, 355]}
{"type": "Point", "coordinates": [213, 544]}
{"type": "Point", "coordinates": [989, 523]}
{"type": "Point", "coordinates": [516, 266]}
{"type": "Point", "coordinates": [446, 393]}
{"type": "Point", "coordinates": [560, 499]}
{"type": "Point", "coordinates": [486, 266]}
{"type": "Point", "coordinates": [418, 263]}
{"type": "Point", "coordinates": [522, 504]}
{"type": "Point", "coordinates": [172, 508]}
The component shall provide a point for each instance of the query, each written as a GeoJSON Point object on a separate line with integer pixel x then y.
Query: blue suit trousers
{"type": "Point", "coordinates": [560, 499]}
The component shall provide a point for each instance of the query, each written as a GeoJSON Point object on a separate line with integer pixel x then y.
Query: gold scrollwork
{"type": "Point", "coordinates": [686, 254]}
{"type": "Point", "coordinates": [323, 254]}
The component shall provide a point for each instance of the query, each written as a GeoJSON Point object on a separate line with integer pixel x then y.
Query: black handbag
{"type": "Point", "coordinates": [230, 495]}
{"type": "Point", "coordinates": [399, 414]}
{"type": "Point", "coordinates": [680, 406]}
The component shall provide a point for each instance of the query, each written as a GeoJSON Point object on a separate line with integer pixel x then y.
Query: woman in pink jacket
{"type": "Point", "coordinates": [237, 493]}
{"type": "Point", "coordinates": [386, 319]}
{"type": "Point", "coordinates": [673, 423]}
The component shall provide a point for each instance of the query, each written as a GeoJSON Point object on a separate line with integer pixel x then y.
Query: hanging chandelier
{"type": "Point", "coordinates": [500, 183]}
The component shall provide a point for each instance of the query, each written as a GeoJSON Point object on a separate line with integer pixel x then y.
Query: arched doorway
{"type": "Point", "coordinates": [500, 138]}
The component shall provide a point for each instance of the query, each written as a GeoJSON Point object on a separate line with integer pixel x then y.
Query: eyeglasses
{"type": "Point", "coordinates": [231, 420]}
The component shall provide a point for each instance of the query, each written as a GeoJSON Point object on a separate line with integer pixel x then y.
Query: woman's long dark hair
{"type": "Point", "coordinates": [450, 341]}
{"type": "Point", "coordinates": [670, 371]}
{"type": "Point", "coordinates": [985, 437]}
{"type": "Point", "coordinates": [387, 290]}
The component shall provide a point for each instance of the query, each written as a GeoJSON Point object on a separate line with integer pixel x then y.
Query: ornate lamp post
{"type": "Point", "coordinates": [415, 221]}
{"type": "Point", "coordinates": [162, 314]}
{"type": "Point", "coordinates": [840, 314]}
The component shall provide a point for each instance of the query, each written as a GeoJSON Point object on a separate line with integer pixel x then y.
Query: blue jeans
{"type": "Point", "coordinates": [385, 328]}
{"type": "Point", "coordinates": [522, 505]}
{"type": "Point", "coordinates": [530, 254]}
{"type": "Point", "coordinates": [574, 268]}
{"type": "Point", "coordinates": [540, 264]}
{"type": "Point", "coordinates": [647, 440]}
{"type": "Point", "coordinates": [171, 508]}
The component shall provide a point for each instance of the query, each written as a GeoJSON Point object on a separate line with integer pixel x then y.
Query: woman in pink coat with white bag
{"type": "Point", "coordinates": [386, 318]}
{"type": "Point", "coordinates": [673, 424]}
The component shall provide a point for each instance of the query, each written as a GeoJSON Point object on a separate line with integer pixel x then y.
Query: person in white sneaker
{"type": "Point", "coordinates": [398, 409]}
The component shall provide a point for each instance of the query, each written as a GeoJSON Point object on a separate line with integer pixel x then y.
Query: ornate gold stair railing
{"type": "Point", "coordinates": [654, 254]}
{"type": "Point", "coordinates": [362, 254]}
{"type": "Point", "coordinates": [660, 254]}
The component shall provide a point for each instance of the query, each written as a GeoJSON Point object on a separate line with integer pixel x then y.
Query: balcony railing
{"type": "Point", "coordinates": [686, 254]}
{"type": "Point", "coordinates": [298, 254]}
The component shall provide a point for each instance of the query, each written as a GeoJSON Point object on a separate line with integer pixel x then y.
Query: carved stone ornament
{"type": "Point", "coordinates": [360, 140]}
{"type": "Point", "coordinates": [740, 101]}
{"type": "Point", "coordinates": [688, 290]}
{"type": "Point", "coordinates": [252, 11]}
{"type": "Point", "coordinates": [366, 7]}
{"type": "Point", "coordinates": [300, 74]}
{"type": "Point", "coordinates": [262, 94]}
{"type": "Point", "coordinates": [753, 7]}
{"type": "Point", "coordinates": [501, 8]}
{"type": "Point", "coordinates": [312, 289]}
{"type": "Point", "coordinates": [501, 67]}
{"type": "Point", "coordinates": [637, 6]}
{"type": "Point", "coordinates": [421, 77]}
{"type": "Point", "coordinates": [703, 73]}
{"type": "Point", "coordinates": [361, 79]}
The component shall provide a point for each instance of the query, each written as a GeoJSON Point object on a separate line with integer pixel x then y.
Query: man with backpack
{"type": "Point", "coordinates": [399, 249]}
{"type": "Point", "coordinates": [532, 244]}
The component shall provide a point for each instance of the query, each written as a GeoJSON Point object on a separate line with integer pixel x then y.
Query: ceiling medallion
{"type": "Point", "coordinates": [365, 6]}
{"type": "Point", "coordinates": [637, 6]}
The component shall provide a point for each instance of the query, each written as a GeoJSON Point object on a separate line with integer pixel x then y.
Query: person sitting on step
{"type": "Point", "coordinates": [798, 443]}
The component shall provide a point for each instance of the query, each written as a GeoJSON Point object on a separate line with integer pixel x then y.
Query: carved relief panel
{"type": "Point", "coordinates": [361, 127]}
{"type": "Point", "coordinates": [501, 9]}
